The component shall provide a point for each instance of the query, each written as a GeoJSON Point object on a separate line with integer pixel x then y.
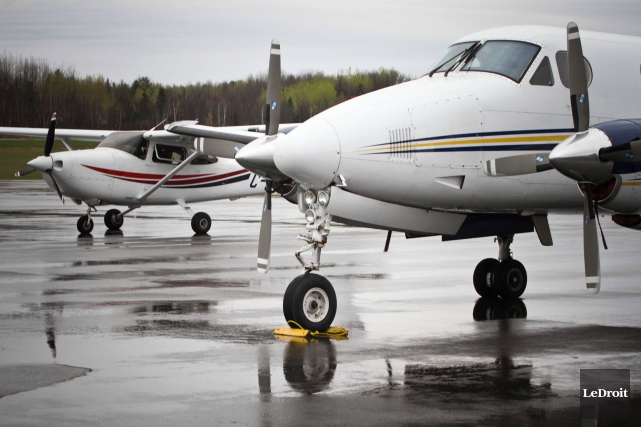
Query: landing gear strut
{"type": "Point", "coordinates": [505, 277]}
{"type": "Point", "coordinates": [310, 299]}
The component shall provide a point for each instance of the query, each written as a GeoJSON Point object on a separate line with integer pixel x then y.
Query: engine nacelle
{"type": "Point", "coordinates": [595, 155]}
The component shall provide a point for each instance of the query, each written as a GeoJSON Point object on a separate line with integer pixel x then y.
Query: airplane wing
{"type": "Point", "coordinates": [63, 134]}
{"type": "Point", "coordinates": [223, 141]}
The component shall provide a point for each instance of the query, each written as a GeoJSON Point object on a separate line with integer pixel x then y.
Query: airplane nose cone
{"type": "Point", "coordinates": [310, 154]}
{"type": "Point", "coordinates": [42, 163]}
{"type": "Point", "coordinates": [258, 157]}
{"type": "Point", "coordinates": [578, 157]}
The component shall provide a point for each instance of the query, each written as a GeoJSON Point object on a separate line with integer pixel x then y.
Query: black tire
{"type": "Point", "coordinates": [200, 223]}
{"type": "Point", "coordinates": [112, 220]}
{"type": "Point", "coordinates": [85, 224]}
{"type": "Point", "coordinates": [511, 278]}
{"type": "Point", "coordinates": [287, 298]}
{"type": "Point", "coordinates": [485, 277]}
{"type": "Point", "coordinates": [313, 303]}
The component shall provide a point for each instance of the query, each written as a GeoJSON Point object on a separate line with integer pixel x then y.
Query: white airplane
{"type": "Point", "coordinates": [490, 141]}
{"type": "Point", "coordinates": [136, 169]}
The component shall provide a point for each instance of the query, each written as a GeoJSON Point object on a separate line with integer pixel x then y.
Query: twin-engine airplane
{"type": "Point", "coordinates": [136, 169]}
{"type": "Point", "coordinates": [493, 139]}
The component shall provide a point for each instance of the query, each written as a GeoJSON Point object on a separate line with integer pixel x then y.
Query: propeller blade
{"type": "Point", "coordinates": [265, 237]}
{"type": "Point", "coordinates": [517, 165]}
{"type": "Point", "coordinates": [50, 135]}
{"type": "Point", "coordinates": [25, 171]}
{"type": "Point", "coordinates": [590, 245]}
{"type": "Point", "coordinates": [578, 81]}
{"type": "Point", "coordinates": [628, 152]}
{"type": "Point", "coordinates": [55, 184]}
{"type": "Point", "coordinates": [272, 107]}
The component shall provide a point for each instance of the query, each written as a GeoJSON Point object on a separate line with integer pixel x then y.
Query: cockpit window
{"type": "Point", "coordinates": [450, 57]}
{"type": "Point", "coordinates": [543, 74]}
{"type": "Point", "coordinates": [129, 142]}
{"type": "Point", "coordinates": [505, 57]}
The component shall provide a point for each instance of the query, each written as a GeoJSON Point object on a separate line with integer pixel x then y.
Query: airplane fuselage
{"type": "Point", "coordinates": [423, 143]}
{"type": "Point", "coordinates": [109, 176]}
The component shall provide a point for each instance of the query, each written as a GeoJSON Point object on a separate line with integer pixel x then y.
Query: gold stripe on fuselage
{"type": "Point", "coordinates": [476, 141]}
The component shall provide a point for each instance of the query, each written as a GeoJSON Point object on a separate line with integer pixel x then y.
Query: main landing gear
{"type": "Point", "coordinates": [114, 219]}
{"type": "Point", "coordinates": [505, 277]}
{"type": "Point", "coordinates": [200, 222]}
{"type": "Point", "coordinates": [310, 299]}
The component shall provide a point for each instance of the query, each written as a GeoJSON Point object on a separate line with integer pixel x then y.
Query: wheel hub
{"type": "Point", "coordinates": [515, 279]}
{"type": "Point", "coordinates": [316, 304]}
{"type": "Point", "coordinates": [203, 223]}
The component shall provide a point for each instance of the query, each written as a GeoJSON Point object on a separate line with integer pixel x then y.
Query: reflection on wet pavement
{"type": "Point", "coordinates": [178, 327]}
{"type": "Point", "coordinates": [309, 365]}
{"type": "Point", "coordinates": [499, 308]}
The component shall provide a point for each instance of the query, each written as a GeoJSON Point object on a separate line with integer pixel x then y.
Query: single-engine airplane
{"type": "Point", "coordinates": [491, 140]}
{"type": "Point", "coordinates": [136, 169]}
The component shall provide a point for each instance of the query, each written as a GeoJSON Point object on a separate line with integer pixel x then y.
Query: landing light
{"type": "Point", "coordinates": [323, 198]}
{"type": "Point", "coordinates": [310, 197]}
{"type": "Point", "coordinates": [309, 216]}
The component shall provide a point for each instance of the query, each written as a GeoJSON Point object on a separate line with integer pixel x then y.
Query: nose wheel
{"type": "Point", "coordinates": [310, 301]}
{"type": "Point", "coordinates": [85, 224]}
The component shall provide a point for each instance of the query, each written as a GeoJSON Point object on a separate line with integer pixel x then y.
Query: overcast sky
{"type": "Point", "coordinates": [183, 41]}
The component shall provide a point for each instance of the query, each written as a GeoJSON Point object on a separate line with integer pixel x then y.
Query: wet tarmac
{"type": "Point", "coordinates": [155, 326]}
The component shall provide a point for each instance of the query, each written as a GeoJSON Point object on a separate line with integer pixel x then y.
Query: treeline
{"type": "Point", "coordinates": [30, 90]}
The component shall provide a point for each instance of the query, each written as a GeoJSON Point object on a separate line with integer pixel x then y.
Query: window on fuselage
{"type": "Point", "coordinates": [129, 142]}
{"type": "Point", "coordinates": [564, 71]}
{"type": "Point", "coordinates": [543, 74]}
{"type": "Point", "coordinates": [169, 154]}
{"type": "Point", "coordinates": [505, 57]}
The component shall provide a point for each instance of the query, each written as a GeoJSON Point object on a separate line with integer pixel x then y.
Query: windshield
{"type": "Point", "coordinates": [450, 57]}
{"type": "Point", "coordinates": [129, 142]}
{"type": "Point", "coordinates": [507, 58]}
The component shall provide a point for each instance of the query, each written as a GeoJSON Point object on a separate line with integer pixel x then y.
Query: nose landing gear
{"type": "Point", "coordinates": [310, 299]}
{"type": "Point", "coordinates": [85, 223]}
{"type": "Point", "coordinates": [505, 277]}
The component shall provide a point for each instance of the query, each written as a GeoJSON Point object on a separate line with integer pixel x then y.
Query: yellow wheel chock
{"type": "Point", "coordinates": [296, 331]}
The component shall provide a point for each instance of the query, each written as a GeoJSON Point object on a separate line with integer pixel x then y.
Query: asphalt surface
{"type": "Point", "coordinates": [155, 326]}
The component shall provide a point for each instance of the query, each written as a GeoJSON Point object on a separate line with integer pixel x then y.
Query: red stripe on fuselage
{"type": "Point", "coordinates": [148, 178]}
